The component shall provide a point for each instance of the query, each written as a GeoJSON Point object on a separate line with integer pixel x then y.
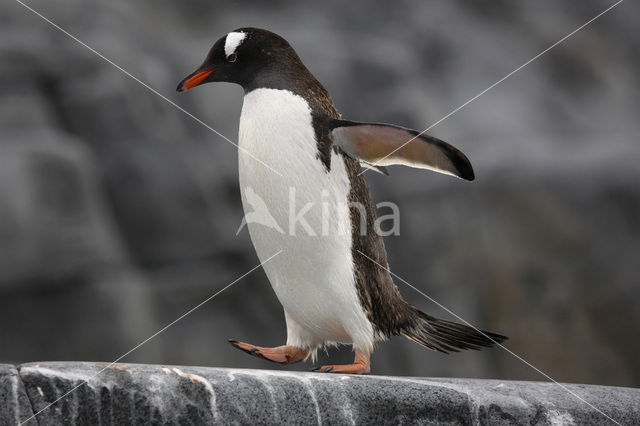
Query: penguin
{"type": "Point", "coordinates": [331, 275]}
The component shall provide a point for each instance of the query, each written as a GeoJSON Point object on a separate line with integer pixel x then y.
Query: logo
{"type": "Point", "coordinates": [257, 212]}
{"type": "Point", "coordinates": [260, 214]}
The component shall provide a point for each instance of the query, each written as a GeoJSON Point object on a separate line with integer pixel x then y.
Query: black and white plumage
{"type": "Point", "coordinates": [331, 290]}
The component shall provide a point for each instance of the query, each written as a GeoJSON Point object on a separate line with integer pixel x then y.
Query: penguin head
{"type": "Point", "coordinates": [250, 57]}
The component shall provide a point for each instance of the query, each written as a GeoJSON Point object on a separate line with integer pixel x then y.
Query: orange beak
{"type": "Point", "coordinates": [194, 80]}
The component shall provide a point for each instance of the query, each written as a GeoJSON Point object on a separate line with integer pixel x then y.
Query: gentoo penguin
{"type": "Point", "coordinates": [331, 275]}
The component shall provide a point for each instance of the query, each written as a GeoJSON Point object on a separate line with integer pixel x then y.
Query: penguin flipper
{"type": "Point", "coordinates": [381, 144]}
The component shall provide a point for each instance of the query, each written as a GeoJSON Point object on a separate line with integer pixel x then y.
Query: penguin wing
{"type": "Point", "coordinates": [378, 145]}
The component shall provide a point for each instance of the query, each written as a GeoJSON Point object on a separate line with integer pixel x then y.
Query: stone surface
{"type": "Point", "coordinates": [155, 394]}
{"type": "Point", "coordinates": [15, 406]}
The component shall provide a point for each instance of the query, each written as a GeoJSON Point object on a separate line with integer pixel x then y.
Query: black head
{"type": "Point", "coordinates": [252, 58]}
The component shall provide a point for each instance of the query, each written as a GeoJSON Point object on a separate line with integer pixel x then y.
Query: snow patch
{"type": "Point", "coordinates": [556, 418]}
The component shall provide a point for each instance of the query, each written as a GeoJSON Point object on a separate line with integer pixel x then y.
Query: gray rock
{"type": "Point", "coordinates": [52, 214]}
{"type": "Point", "coordinates": [153, 394]}
{"type": "Point", "coordinates": [14, 404]}
{"type": "Point", "coordinates": [57, 235]}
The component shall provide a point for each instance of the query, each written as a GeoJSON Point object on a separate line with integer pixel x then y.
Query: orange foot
{"type": "Point", "coordinates": [279, 354]}
{"type": "Point", "coordinates": [361, 365]}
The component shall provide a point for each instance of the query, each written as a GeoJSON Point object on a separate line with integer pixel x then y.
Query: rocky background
{"type": "Point", "coordinates": [118, 212]}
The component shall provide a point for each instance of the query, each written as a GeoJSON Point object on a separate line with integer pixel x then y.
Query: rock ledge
{"type": "Point", "coordinates": [155, 394]}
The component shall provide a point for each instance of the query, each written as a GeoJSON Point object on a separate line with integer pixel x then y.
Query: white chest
{"type": "Point", "coordinates": [303, 211]}
{"type": "Point", "coordinates": [297, 191]}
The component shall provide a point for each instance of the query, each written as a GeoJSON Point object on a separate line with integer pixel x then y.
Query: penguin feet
{"type": "Point", "coordinates": [279, 354]}
{"type": "Point", "coordinates": [361, 365]}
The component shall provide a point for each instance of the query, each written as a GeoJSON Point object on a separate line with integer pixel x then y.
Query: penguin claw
{"type": "Point", "coordinates": [236, 344]}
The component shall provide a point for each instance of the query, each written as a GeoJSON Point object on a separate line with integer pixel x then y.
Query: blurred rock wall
{"type": "Point", "coordinates": [118, 212]}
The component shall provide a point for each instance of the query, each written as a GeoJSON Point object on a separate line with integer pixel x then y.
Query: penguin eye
{"type": "Point", "coordinates": [232, 58]}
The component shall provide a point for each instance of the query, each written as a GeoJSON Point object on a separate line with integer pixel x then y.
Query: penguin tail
{"type": "Point", "coordinates": [447, 336]}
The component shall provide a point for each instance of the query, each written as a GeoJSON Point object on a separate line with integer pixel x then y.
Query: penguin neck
{"type": "Point", "coordinates": [297, 79]}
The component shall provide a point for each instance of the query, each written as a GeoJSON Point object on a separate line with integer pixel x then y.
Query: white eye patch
{"type": "Point", "coordinates": [233, 41]}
